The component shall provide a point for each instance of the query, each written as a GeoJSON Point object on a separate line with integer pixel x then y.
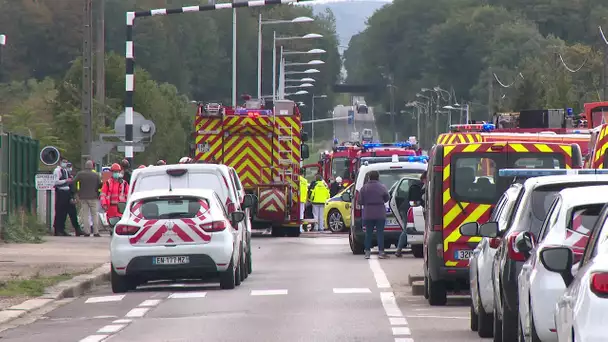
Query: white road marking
{"type": "Point", "coordinates": [94, 338]}
{"type": "Point", "coordinates": [150, 302]}
{"type": "Point", "coordinates": [179, 295]}
{"type": "Point", "coordinates": [137, 312]}
{"type": "Point", "coordinates": [390, 304]}
{"type": "Point", "coordinates": [404, 339]}
{"type": "Point", "coordinates": [401, 331]}
{"type": "Point", "coordinates": [268, 292]}
{"type": "Point", "coordinates": [104, 299]}
{"type": "Point", "coordinates": [111, 329]}
{"type": "Point", "coordinates": [381, 279]}
{"type": "Point", "coordinates": [122, 321]}
{"type": "Point", "coordinates": [397, 321]}
{"type": "Point", "coordinates": [446, 317]}
{"type": "Point", "coordinates": [352, 290]}
{"type": "Point", "coordinates": [104, 317]}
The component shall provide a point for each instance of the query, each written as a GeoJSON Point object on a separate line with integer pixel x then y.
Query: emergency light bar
{"type": "Point", "coordinates": [549, 172]}
{"type": "Point", "coordinates": [372, 145]}
{"type": "Point", "coordinates": [252, 112]}
{"type": "Point", "coordinates": [418, 159]}
{"type": "Point", "coordinates": [486, 127]}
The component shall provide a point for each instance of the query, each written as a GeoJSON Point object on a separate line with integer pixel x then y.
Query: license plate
{"type": "Point", "coordinates": [391, 222]}
{"type": "Point", "coordinates": [172, 260]}
{"type": "Point", "coordinates": [463, 255]}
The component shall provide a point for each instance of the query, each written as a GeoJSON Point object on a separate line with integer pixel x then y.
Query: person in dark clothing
{"type": "Point", "coordinates": [126, 167]}
{"type": "Point", "coordinates": [335, 187]}
{"type": "Point", "coordinates": [63, 199]}
{"type": "Point", "coordinates": [373, 196]}
{"type": "Point", "coordinates": [72, 210]}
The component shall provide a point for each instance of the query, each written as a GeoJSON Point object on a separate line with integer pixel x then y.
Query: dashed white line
{"type": "Point", "coordinates": [401, 331]}
{"type": "Point", "coordinates": [381, 279]}
{"type": "Point", "coordinates": [150, 302]}
{"type": "Point", "coordinates": [268, 292]}
{"type": "Point", "coordinates": [122, 321]}
{"type": "Point", "coordinates": [111, 328]}
{"type": "Point", "coordinates": [94, 338]}
{"type": "Point", "coordinates": [180, 295]}
{"type": "Point", "coordinates": [104, 299]}
{"type": "Point", "coordinates": [352, 290]}
{"type": "Point", "coordinates": [397, 321]}
{"type": "Point", "coordinates": [390, 304]}
{"type": "Point", "coordinates": [137, 312]}
{"type": "Point", "coordinates": [404, 339]}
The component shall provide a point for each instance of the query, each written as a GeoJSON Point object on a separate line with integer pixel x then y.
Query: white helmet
{"type": "Point", "coordinates": [339, 179]}
{"type": "Point", "coordinates": [185, 160]}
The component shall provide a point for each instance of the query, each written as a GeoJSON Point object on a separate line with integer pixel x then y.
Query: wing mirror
{"type": "Point", "coordinates": [489, 229]}
{"type": "Point", "coordinates": [525, 243]}
{"type": "Point", "coordinates": [236, 217]}
{"type": "Point", "coordinates": [304, 151]}
{"type": "Point", "coordinates": [248, 201]}
{"type": "Point", "coordinates": [470, 229]}
{"type": "Point", "coordinates": [121, 207]}
{"type": "Point", "coordinates": [346, 196]}
{"type": "Point", "coordinates": [559, 260]}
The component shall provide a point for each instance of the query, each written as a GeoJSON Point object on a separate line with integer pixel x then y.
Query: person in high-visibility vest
{"type": "Point", "coordinates": [318, 196]}
{"type": "Point", "coordinates": [114, 191]}
{"type": "Point", "coordinates": [303, 199]}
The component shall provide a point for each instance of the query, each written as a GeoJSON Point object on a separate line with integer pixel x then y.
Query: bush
{"type": "Point", "coordinates": [23, 227]}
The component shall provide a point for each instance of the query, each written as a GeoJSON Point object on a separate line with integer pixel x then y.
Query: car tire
{"type": "Point", "coordinates": [485, 321]}
{"type": "Point", "coordinates": [437, 293]}
{"type": "Point", "coordinates": [120, 283]}
{"type": "Point", "coordinates": [334, 216]}
{"type": "Point", "coordinates": [227, 277]}
{"type": "Point", "coordinates": [474, 320]}
{"type": "Point", "coordinates": [426, 287]}
{"type": "Point", "coordinates": [533, 334]}
{"type": "Point", "coordinates": [249, 261]}
{"type": "Point", "coordinates": [356, 247]}
{"type": "Point", "coordinates": [237, 273]}
{"type": "Point", "coordinates": [509, 324]}
{"type": "Point", "coordinates": [497, 326]}
{"type": "Point", "coordinates": [243, 266]}
{"type": "Point", "coordinates": [418, 251]}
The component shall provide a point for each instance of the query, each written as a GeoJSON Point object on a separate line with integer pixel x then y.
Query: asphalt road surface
{"type": "Point", "coordinates": [302, 289]}
{"type": "Point", "coordinates": [343, 130]}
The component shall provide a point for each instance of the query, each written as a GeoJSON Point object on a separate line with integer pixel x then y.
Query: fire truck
{"type": "Point", "coordinates": [265, 145]}
{"type": "Point", "coordinates": [338, 162]}
{"type": "Point", "coordinates": [596, 113]}
{"type": "Point", "coordinates": [383, 152]}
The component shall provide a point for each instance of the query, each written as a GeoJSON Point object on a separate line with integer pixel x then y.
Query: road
{"type": "Point", "coordinates": [342, 130]}
{"type": "Point", "coordinates": [301, 289]}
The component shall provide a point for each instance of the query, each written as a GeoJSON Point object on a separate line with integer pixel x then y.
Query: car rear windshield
{"type": "Point", "coordinates": [582, 219]}
{"type": "Point", "coordinates": [391, 176]}
{"type": "Point", "coordinates": [191, 180]}
{"type": "Point", "coordinates": [172, 207]}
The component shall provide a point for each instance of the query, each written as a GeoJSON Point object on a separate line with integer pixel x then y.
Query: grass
{"type": "Point", "coordinates": [32, 287]}
{"type": "Point", "coordinates": [23, 227]}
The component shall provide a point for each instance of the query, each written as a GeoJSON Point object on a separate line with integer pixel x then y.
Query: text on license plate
{"type": "Point", "coordinates": [172, 260]}
{"type": "Point", "coordinates": [463, 255]}
{"type": "Point", "coordinates": [391, 222]}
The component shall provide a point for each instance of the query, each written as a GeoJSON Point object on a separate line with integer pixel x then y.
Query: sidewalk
{"type": "Point", "coordinates": [57, 259]}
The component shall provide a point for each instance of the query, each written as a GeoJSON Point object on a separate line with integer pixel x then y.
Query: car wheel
{"type": "Point", "coordinates": [426, 287]}
{"type": "Point", "coordinates": [120, 283]}
{"type": "Point", "coordinates": [237, 273]}
{"type": "Point", "coordinates": [497, 326]}
{"type": "Point", "coordinates": [437, 293]}
{"type": "Point", "coordinates": [474, 320]}
{"type": "Point", "coordinates": [243, 266]}
{"type": "Point", "coordinates": [249, 261]}
{"type": "Point", "coordinates": [292, 231]}
{"type": "Point", "coordinates": [485, 321]}
{"type": "Point", "coordinates": [533, 334]}
{"type": "Point", "coordinates": [355, 247]}
{"type": "Point", "coordinates": [335, 221]}
{"type": "Point", "coordinates": [417, 251]}
{"type": "Point", "coordinates": [227, 279]}
{"type": "Point", "coordinates": [509, 324]}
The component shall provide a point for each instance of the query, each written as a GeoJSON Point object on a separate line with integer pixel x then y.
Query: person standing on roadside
{"type": "Point", "coordinates": [114, 191]}
{"type": "Point", "coordinates": [126, 170]}
{"type": "Point", "coordinates": [87, 193]}
{"type": "Point", "coordinates": [63, 196]}
{"type": "Point", "coordinates": [318, 196]}
{"type": "Point", "coordinates": [72, 210]}
{"type": "Point", "coordinates": [373, 196]}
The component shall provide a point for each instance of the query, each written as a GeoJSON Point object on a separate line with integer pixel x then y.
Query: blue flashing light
{"type": "Point", "coordinates": [256, 112]}
{"type": "Point", "coordinates": [569, 112]}
{"type": "Point", "coordinates": [485, 127]}
{"type": "Point", "coordinates": [374, 145]}
{"type": "Point", "coordinates": [418, 159]}
{"type": "Point", "coordinates": [341, 148]}
{"type": "Point", "coordinates": [549, 172]}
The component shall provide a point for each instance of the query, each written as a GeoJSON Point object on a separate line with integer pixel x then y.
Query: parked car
{"type": "Point", "coordinates": [411, 221]}
{"type": "Point", "coordinates": [337, 212]}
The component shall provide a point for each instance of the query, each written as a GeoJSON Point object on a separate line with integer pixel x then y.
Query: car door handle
{"type": "Point", "coordinates": [568, 299]}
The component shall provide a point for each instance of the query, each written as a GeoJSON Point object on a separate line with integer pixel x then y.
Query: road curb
{"type": "Point", "coordinates": [418, 288]}
{"type": "Point", "coordinates": [66, 289]}
{"type": "Point", "coordinates": [411, 279]}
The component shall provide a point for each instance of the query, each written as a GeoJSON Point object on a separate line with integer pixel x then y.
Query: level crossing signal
{"type": "Point", "coordinates": [49, 155]}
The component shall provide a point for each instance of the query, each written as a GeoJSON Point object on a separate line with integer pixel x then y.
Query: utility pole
{"type": "Point", "coordinates": [87, 84]}
{"type": "Point", "coordinates": [605, 73]}
{"type": "Point", "coordinates": [490, 94]}
{"type": "Point", "coordinates": [437, 107]}
{"type": "Point", "coordinates": [100, 78]}
{"type": "Point", "coordinates": [234, 56]}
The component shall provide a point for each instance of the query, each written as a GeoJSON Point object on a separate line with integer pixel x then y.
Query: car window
{"type": "Point", "coordinates": [197, 180]}
{"type": "Point", "coordinates": [473, 178]}
{"type": "Point", "coordinates": [235, 179]}
{"type": "Point", "coordinates": [581, 223]}
{"type": "Point", "coordinates": [552, 216]}
{"type": "Point", "coordinates": [499, 207]}
{"type": "Point", "coordinates": [171, 207]}
{"type": "Point", "coordinates": [221, 205]}
{"type": "Point", "coordinates": [339, 167]}
{"type": "Point", "coordinates": [391, 176]}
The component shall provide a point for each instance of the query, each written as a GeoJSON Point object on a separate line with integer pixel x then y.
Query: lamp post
{"type": "Point", "coordinates": [2, 43]}
{"type": "Point", "coordinates": [271, 22]}
{"type": "Point", "coordinates": [460, 109]}
{"type": "Point", "coordinates": [282, 71]}
{"type": "Point", "coordinates": [312, 129]}
{"type": "Point", "coordinates": [274, 55]}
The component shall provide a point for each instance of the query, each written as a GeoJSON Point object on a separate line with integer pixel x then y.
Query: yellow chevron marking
{"type": "Point", "coordinates": [446, 172]}
{"type": "Point", "coordinates": [519, 148]}
{"type": "Point", "coordinates": [473, 217]}
{"type": "Point", "coordinates": [471, 148]}
{"type": "Point", "coordinates": [543, 148]}
{"type": "Point", "coordinates": [567, 149]}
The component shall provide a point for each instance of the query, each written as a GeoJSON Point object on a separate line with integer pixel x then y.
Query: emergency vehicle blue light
{"type": "Point", "coordinates": [549, 172]}
{"type": "Point", "coordinates": [341, 148]}
{"type": "Point", "coordinates": [401, 144]}
{"type": "Point", "coordinates": [419, 159]}
{"type": "Point", "coordinates": [245, 111]}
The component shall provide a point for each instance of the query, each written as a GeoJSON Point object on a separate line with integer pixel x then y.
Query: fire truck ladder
{"type": "Point", "coordinates": [286, 163]}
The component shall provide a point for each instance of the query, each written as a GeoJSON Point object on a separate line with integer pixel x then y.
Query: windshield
{"type": "Point", "coordinates": [339, 167]}
{"type": "Point", "coordinates": [171, 207]}
{"type": "Point", "coordinates": [391, 176]}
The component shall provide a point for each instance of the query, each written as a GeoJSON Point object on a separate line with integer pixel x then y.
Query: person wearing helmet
{"type": "Point", "coordinates": [114, 191]}
{"type": "Point", "coordinates": [161, 162]}
{"type": "Point", "coordinates": [185, 160]}
{"type": "Point", "coordinates": [126, 170]}
{"type": "Point", "coordinates": [335, 187]}
{"type": "Point", "coordinates": [142, 166]}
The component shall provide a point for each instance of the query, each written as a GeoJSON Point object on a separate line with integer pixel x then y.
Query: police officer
{"type": "Point", "coordinates": [63, 199]}
{"type": "Point", "coordinates": [318, 196]}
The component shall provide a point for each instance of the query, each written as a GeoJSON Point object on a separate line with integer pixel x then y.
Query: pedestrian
{"type": "Point", "coordinates": [373, 196]}
{"type": "Point", "coordinates": [403, 210]}
{"type": "Point", "coordinates": [126, 170]}
{"type": "Point", "coordinates": [318, 196]}
{"type": "Point", "coordinates": [88, 197]}
{"type": "Point", "coordinates": [303, 198]}
{"type": "Point", "coordinates": [335, 187]}
{"type": "Point", "coordinates": [114, 191]}
{"type": "Point", "coordinates": [72, 209]}
{"type": "Point", "coordinates": [62, 198]}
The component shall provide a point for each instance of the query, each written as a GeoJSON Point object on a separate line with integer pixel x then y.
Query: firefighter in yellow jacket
{"type": "Point", "coordinates": [303, 199]}
{"type": "Point", "coordinates": [318, 196]}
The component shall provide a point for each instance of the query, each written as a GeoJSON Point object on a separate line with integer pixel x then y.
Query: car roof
{"type": "Point", "coordinates": [190, 167]}
{"type": "Point", "coordinates": [204, 193]}
{"type": "Point", "coordinates": [593, 194]}
{"type": "Point", "coordinates": [534, 182]}
{"type": "Point", "coordinates": [387, 166]}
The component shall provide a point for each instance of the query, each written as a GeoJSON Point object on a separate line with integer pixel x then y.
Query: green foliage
{"type": "Point", "coordinates": [23, 227]}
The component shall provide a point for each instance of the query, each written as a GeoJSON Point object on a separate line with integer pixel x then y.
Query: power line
{"type": "Point", "coordinates": [568, 68]}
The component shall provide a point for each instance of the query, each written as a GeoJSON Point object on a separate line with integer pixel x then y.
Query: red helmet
{"type": "Point", "coordinates": [142, 167]}
{"type": "Point", "coordinates": [161, 162]}
{"type": "Point", "coordinates": [115, 167]}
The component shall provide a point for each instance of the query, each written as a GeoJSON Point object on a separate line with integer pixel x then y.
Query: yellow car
{"type": "Point", "coordinates": [337, 212]}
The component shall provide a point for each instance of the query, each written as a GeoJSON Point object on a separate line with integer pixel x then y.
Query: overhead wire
{"type": "Point", "coordinates": [568, 68]}
{"type": "Point", "coordinates": [506, 85]}
{"type": "Point", "coordinates": [603, 35]}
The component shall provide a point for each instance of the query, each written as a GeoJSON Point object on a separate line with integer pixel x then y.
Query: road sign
{"type": "Point", "coordinates": [45, 181]}
{"type": "Point", "coordinates": [136, 148]}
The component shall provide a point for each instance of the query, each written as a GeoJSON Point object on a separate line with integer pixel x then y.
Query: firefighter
{"type": "Point", "coordinates": [303, 199]}
{"type": "Point", "coordinates": [142, 167]}
{"type": "Point", "coordinates": [114, 191]}
{"type": "Point", "coordinates": [161, 162]}
{"type": "Point", "coordinates": [185, 160]}
{"type": "Point", "coordinates": [318, 196]}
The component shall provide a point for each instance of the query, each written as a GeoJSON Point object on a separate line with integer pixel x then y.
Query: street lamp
{"type": "Point", "coordinates": [307, 71]}
{"type": "Point", "coordinates": [305, 79]}
{"type": "Point", "coordinates": [303, 85]}
{"type": "Point", "coordinates": [312, 128]}
{"type": "Point", "coordinates": [270, 22]}
{"type": "Point", "coordinates": [2, 44]}
{"type": "Point", "coordinates": [309, 52]}
{"type": "Point", "coordinates": [301, 92]}
{"type": "Point", "coordinates": [274, 55]}
{"type": "Point", "coordinates": [313, 62]}
{"type": "Point", "coordinates": [466, 108]}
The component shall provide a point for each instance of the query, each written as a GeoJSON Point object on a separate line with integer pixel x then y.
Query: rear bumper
{"type": "Point", "coordinates": [200, 266]}
{"type": "Point", "coordinates": [454, 273]}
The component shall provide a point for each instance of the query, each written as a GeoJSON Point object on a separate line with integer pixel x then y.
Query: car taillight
{"type": "Point", "coordinates": [494, 243]}
{"type": "Point", "coordinates": [215, 226]}
{"type": "Point", "coordinates": [125, 229]}
{"type": "Point", "coordinates": [599, 283]}
{"type": "Point", "coordinates": [513, 252]}
{"type": "Point", "coordinates": [357, 205]}
{"type": "Point", "coordinates": [410, 215]}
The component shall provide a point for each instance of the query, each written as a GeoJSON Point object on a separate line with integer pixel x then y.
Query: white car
{"type": "Point", "coordinates": [580, 313]}
{"type": "Point", "coordinates": [390, 173]}
{"type": "Point", "coordinates": [569, 223]}
{"type": "Point", "coordinates": [220, 178]}
{"type": "Point", "coordinates": [169, 234]}
{"type": "Point", "coordinates": [480, 263]}
{"type": "Point", "coordinates": [414, 221]}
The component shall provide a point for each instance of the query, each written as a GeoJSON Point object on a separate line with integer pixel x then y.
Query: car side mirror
{"type": "Point", "coordinates": [304, 136]}
{"type": "Point", "coordinates": [345, 196]}
{"type": "Point", "coordinates": [113, 221]}
{"type": "Point", "coordinates": [304, 151]}
{"type": "Point", "coordinates": [524, 243]}
{"type": "Point", "coordinates": [248, 201]}
{"type": "Point", "coordinates": [470, 229]}
{"type": "Point", "coordinates": [236, 217]}
{"type": "Point", "coordinates": [121, 207]}
{"type": "Point", "coordinates": [489, 229]}
{"type": "Point", "coordinates": [559, 260]}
